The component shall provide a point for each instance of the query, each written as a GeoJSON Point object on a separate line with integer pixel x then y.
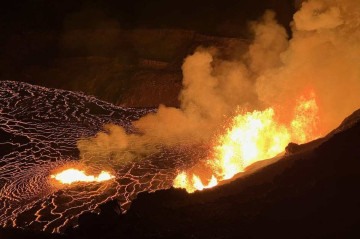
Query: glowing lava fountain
{"type": "Point", "coordinates": [251, 137]}
{"type": "Point", "coordinates": [72, 175]}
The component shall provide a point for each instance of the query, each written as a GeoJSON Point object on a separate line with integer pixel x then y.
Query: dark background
{"type": "Point", "coordinates": [225, 18]}
{"type": "Point", "coordinates": [118, 50]}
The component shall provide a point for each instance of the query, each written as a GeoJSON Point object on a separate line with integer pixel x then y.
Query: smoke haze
{"type": "Point", "coordinates": [322, 56]}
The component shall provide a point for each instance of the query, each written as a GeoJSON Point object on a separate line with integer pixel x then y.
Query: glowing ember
{"type": "Point", "coordinates": [72, 175]}
{"type": "Point", "coordinates": [254, 136]}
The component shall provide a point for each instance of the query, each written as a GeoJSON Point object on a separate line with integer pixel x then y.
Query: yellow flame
{"type": "Point", "coordinates": [73, 175]}
{"type": "Point", "coordinates": [253, 136]}
{"type": "Point", "coordinates": [181, 181]}
{"type": "Point", "coordinates": [304, 124]}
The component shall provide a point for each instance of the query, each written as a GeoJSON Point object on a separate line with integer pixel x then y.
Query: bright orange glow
{"type": "Point", "coordinates": [251, 137]}
{"type": "Point", "coordinates": [73, 175]}
{"type": "Point", "coordinates": [304, 124]}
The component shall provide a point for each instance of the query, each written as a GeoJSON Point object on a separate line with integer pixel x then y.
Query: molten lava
{"type": "Point", "coordinates": [72, 175]}
{"type": "Point", "coordinates": [251, 137]}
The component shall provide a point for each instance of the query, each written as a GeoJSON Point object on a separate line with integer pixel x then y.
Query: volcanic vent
{"type": "Point", "coordinates": [40, 128]}
{"type": "Point", "coordinates": [234, 111]}
{"type": "Point", "coordinates": [248, 107]}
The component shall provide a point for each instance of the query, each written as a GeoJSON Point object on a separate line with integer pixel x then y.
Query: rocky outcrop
{"type": "Point", "coordinates": [307, 195]}
{"type": "Point", "coordinates": [93, 225]}
{"type": "Point", "coordinates": [310, 194]}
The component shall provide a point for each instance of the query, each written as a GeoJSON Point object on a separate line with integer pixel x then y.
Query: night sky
{"type": "Point", "coordinates": [39, 43]}
{"type": "Point", "coordinates": [215, 17]}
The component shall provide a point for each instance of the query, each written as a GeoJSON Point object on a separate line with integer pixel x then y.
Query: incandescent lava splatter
{"type": "Point", "coordinates": [251, 137]}
{"type": "Point", "coordinates": [73, 175]}
{"type": "Point", "coordinates": [39, 129]}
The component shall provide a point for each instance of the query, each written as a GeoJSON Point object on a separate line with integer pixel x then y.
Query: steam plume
{"type": "Point", "coordinates": [323, 55]}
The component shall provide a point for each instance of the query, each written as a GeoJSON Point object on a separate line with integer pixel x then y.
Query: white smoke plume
{"type": "Point", "coordinates": [323, 55]}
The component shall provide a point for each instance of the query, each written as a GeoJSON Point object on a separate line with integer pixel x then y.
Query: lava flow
{"type": "Point", "coordinates": [73, 175]}
{"type": "Point", "coordinates": [251, 137]}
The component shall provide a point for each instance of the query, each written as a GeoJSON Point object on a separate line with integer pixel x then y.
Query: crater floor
{"type": "Point", "coordinates": [39, 128]}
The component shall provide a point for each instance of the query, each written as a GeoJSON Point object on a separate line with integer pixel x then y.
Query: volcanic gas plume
{"type": "Point", "coordinates": [235, 111]}
{"type": "Point", "coordinates": [282, 89]}
{"type": "Point", "coordinates": [39, 188]}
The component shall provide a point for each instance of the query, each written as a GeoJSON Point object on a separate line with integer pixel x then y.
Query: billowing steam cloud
{"type": "Point", "coordinates": [323, 55]}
